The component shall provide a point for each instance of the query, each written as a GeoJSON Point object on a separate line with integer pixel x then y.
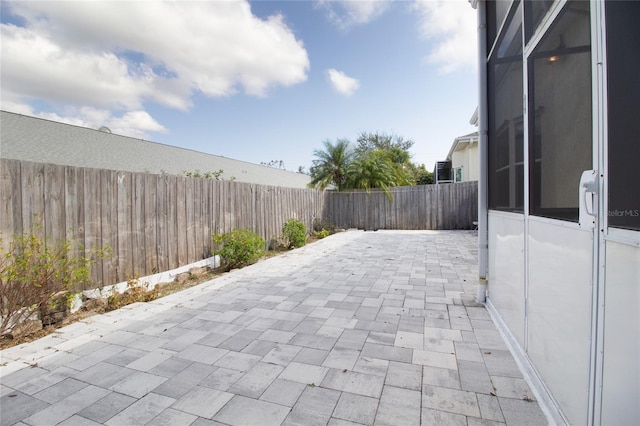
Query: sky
{"type": "Point", "coordinates": [257, 81]}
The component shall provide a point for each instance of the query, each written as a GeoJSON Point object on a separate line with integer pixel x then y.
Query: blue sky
{"type": "Point", "coordinates": [254, 81]}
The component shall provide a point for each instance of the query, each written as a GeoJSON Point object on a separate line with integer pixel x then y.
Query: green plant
{"type": "Point", "coordinates": [323, 233]}
{"type": "Point", "coordinates": [294, 233]}
{"type": "Point", "coordinates": [320, 225]}
{"type": "Point", "coordinates": [32, 272]}
{"type": "Point", "coordinates": [238, 248]}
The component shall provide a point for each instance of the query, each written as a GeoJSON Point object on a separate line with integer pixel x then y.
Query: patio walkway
{"type": "Point", "coordinates": [359, 328]}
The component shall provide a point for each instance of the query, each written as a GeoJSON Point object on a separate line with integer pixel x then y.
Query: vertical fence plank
{"type": "Point", "coordinates": [124, 227]}
{"type": "Point", "coordinates": [138, 245]}
{"type": "Point", "coordinates": [92, 198]}
{"type": "Point", "coordinates": [109, 225]}
{"type": "Point", "coordinates": [165, 243]}
{"type": "Point", "coordinates": [33, 198]}
{"type": "Point", "coordinates": [189, 220]}
{"type": "Point", "coordinates": [181, 219]}
{"type": "Point", "coordinates": [172, 220]}
{"type": "Point", "coordinates": [10, 199]}
{"type": "Point", "coordinates": [54, 204]}
{"type": "Point", "coordinates": [73, 210]}
{"type": "Point", "coordinates": [74, 203]}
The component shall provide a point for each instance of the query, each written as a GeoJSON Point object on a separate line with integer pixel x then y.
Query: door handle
{"type": "Point", "coordinates": [588, 192]}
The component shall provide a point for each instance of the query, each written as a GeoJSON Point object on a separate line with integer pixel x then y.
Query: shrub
{"type": "Point", "coordinates": [240, 247]}
{"type": "Point", "coordinates": [32, 273]}
{"type": "Point", "coordinates": [294, 233]}
{"type": "Point", "coordinates": [323, 225]}
{"type": "Point", "coordinates": [321, 234]}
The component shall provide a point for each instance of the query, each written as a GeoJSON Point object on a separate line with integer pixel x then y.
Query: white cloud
{"type": "Point", "coordinates": [347, 13]}
{"type": "Point", "coordinates": [136, 124]}
{"type": "Point", "coordinates": [452, 26]}
{"type": "Point", "coordinates": [118, 56]}
{"type": "Point", "coordinates": [342, 83]}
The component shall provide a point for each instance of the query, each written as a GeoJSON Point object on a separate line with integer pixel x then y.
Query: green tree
{"type": "Point", "coordinates": [421, 175]}
{"type": "Point", "coordinates": [371, 170]}
{"type": "Point", "coordinates": [395, 149]}
{"type": "Point", "coordinates": [393, 143]}
{"type": "Point", "coordinates": [378, 161]}
{"type": "Point", "coordinates": [331, 164]}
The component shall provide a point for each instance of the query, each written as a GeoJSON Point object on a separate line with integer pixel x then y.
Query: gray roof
{"type": "Point", "coordinates": [43, 141]}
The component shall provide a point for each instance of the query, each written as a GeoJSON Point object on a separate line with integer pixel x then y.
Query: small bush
{"type": "Point", "coordinates": [323, 225]}
{"type": "Point", "coordinates": [32, 273]}
{"type": "Point", "coordinates": [240, 247]}
{"type": "Point", "coordinates": [294, 233]}
{"type": "Point", "coordinates": [321, 234]}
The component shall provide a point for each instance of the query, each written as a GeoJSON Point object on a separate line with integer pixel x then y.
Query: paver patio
{"type": "Point", "coordinates": [373, 328]}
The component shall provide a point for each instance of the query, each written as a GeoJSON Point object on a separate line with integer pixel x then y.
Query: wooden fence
{"type": "Point", "coordinates": [155, 223]}
{"type": "Point", "coordinates": [152, 223]}
{"type": "Point", "coordinates": [444, 206]}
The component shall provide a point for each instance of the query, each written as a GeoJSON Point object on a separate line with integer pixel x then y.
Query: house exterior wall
{"type": "Point", "coordinates": [467, 158]}
{"type": "Point", "coordinates": [563, 269]}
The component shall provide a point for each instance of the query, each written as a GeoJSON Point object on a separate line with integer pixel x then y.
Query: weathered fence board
{"type": "Point", "coordinates": [448, 206]}
{"type": "Point", "coordinates": [154, 223]}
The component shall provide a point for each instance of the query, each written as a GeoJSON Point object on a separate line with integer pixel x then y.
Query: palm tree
{"type": "Point", "coordinates": [331, 164]}
{"type": "Point", "coordinates": [372, 170]}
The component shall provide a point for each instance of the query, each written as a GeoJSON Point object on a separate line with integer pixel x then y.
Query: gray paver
{"type": "Point", "coordinates": [450, 400]}
{"type": "Point", "coordinates": [238, 361]}
{"type": "Point", "coordinates": [389, 353]}
{"type": "Point", "coordinates": [103, 374]}
{"type": "Point", "coordinates": [17, 405]}
{"type": "Point", "coordinates": [255, 381]}
{"type": "Point", "coordinates": [311, 356]}
{"type": "Point", "coordinates": [350, 381]}
{"type": "Point", "coordinates": [511, 387]}
{"type": "Point", "coordinates": [186, 379]}
{"type": "Point", "coordinates": [490, 408]}
{"type": "Point", "coordinates": [246, 411]}
{"type": "Point", "coordinates": [282, 355]}
{"type": "Point", "coordinates": [171, 417]}
{"type": "Point", "coordinates": [283, 392]}
{"type": "Point", "coordinates": [356, 408]}
{"type": "Point", "coordinates": [107, 407]}
{"type": "Point", "coordinates": [399, 407]}
{"type": "Point", "coordinates": [403, 375]}
{"type": "Point", "coordinates": [341, 358]}
{"type": "Point", "coordinates": [374, 366]}
{"type": "Point", "coordinates": [43, 381]}
{"type": "Point", "coordinates": [138, 384]}
{"type": "Point", "coordinates": [67, 407]}
{"type": "Point", "coordinates": [521, 412]}
{"type": "Point", "coordinates": [221, 379]}
{"type": "Point", "coordinates": [435, 417]}
{"type": "Point", "coordinates": [202, 401]}
{"type": "Point", "coordinates": [142, 411]}
{"type": "Point", "coordinates": [435, 359]}
{"type": "Point", "coordinates": [474, 377]}
{"type": "Point", "coordinates": [202, 353]}
{"type": "Point", "coordinates": [60, 390]}
{"type": "Point", "coordinates": [314, 407]}
{"type": "Point", "coordinates": [304, 373]}
{"type": "Point", "coordinates": [360, 328]}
